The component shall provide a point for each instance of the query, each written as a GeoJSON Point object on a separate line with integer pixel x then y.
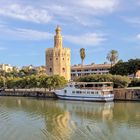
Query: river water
{"type": "Point", "coordinates": [39, 119]}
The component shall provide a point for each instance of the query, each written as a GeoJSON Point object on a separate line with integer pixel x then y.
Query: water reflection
{"type": "Point", "coordinates": [27, 118]}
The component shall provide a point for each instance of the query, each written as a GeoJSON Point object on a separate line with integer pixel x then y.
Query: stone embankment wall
{"type": "Point", "coordinates": [125, 94]}
{"type": "Point", "coordinates": [128, 94]}
{"type": "Point", "coordinates": [28, 93]}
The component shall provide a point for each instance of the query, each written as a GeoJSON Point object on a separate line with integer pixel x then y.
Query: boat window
{"type": "Point", "coordinates": [77, 91]}
{"type": "Point", "coordinates": [89, 85]}
{"type": "Point", "coordinates": [88, 92]}
{"type": "Point", "coordinates": [79, 86]}
{"type": "Point", "coordinates": [73, 91]}
{"type": "Point", "coordinates": [70, 85]}
{"type": "Point", "coordinates": [92, 92]}
{"type": "Point", "coordinates": [65, 91]}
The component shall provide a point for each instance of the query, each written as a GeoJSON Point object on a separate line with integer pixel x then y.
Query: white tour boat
{"type": "Point", "coordinates": [87, 91]}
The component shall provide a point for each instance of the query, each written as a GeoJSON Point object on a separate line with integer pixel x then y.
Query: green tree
{"type": "Point", "coordinates": [120, 68]}
{"type": "Point", "coordinates": [126, 68]}
{"type": "Point", "coordinates": [119, 81]}
{"type": "Point", "coordinates": [112, 56]}
{"type": "Point", "coordinates": [133, 66]}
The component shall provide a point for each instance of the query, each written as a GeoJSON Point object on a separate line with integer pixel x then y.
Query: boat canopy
{"type": "Point", "coordinates": [84, 83]}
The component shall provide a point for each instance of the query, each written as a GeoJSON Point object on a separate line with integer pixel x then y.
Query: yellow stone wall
{"type": "Point", "coordinates": [58, 58]}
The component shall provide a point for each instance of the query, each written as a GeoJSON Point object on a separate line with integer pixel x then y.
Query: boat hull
{"type": "Point", "coordinates": [85, 98]}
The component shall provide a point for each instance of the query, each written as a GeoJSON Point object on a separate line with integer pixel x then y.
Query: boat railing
{"type": "Point", "coordinates": [96, 88]}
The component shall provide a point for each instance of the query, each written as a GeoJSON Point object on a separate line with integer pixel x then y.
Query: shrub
{"type": "Point", "coordinates": [120, 81]}
{"type": "Point", "coordinates": [135, 83]}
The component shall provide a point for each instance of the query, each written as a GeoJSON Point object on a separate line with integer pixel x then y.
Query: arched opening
{"type": "Point", "coordinates": [50, 69]}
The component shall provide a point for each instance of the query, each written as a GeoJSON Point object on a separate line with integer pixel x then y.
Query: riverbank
{"type": "Point", "coordinates": [37, 92]}
{"type": "Point", "coordinates": [120, 94]}
{"type": "Point", "coordinates": [127, 94]}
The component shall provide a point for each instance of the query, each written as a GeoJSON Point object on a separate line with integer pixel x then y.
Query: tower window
{"type": "Point", "coordinates": [63, 69]}
{"type": "Point", "coordinates": [50, 59]}
{"type": "Point", "coordinates": [50, 69]}
{"type": "Point", "coordinates": [56, 58]}
{"type": "Point", "coordinates": [63, 58]}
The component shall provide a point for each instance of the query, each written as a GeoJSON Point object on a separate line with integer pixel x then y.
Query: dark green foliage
{"type": "Point", "coordinates": [1, 81]}
{"type": "Point", "coordinates": [135, 83]}
{"type": "Point", "coordinates": [126, 68]}
{"type": "Point", "coordinates": [119, 81]}
{"type": "Point", "coordinates": [133, 66]}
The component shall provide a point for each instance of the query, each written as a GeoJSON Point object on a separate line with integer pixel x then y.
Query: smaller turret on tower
{"type": "Point", "coordinates": [58, 38]}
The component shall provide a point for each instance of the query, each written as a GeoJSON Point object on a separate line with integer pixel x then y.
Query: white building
{"type": "Point", "coordinates": [6, 67]}
{"type": "Point", "coordinates": [79, 70]}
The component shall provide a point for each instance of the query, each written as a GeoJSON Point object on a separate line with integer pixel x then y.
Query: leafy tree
{"type": "Point", "coordinates": [119, 81]}
{"type": "Point", "coordinates": [120, 68]}
{"type": "Point", "coordinates": [126, 68]}
{"type": "Point", "coordinates": [133, 66]}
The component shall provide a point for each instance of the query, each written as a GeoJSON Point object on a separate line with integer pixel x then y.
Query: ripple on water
{"type": "Point", "coordinates": [62, 125]}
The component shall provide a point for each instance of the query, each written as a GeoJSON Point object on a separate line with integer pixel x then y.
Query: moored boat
{"type": "Point", "coordinates": [87, 91]}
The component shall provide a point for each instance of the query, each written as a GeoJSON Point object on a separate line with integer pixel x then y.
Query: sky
{"type": "Point", "coordinates": [27, 29]}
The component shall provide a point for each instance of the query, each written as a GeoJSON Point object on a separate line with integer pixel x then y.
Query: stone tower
{"type": "Point", "coordinates": [58, 58]}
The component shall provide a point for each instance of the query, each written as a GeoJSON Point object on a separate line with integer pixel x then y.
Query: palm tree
{"type": "Point", "coordinates": [112, 56]}
{"type": "Point", "coordinates": [82, 54]}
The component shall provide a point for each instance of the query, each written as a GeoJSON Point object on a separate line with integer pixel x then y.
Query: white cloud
{"type": "Point", "coordinates": [99, 5]}
{"type": "Point", "coordinates": [138, 2]}
{"type": "Point", "coordinates": [24, 34]}
{"type": "Point", "coordinates": [27, 13]}
{"type": "Point", "coordinates": [83, 6]}
{"type": "Point", "coordinates": [133, 20]}
{"type": "Point", "coordinates": [83, 12]}
{"type": "Point", "coordinates": [89, 39]}
{"type": "Point", "coordinates": [138, 37]}
{"type": "Point", "coordinates": [30, 34]}
{"type": "Point", "coordinates": [2, 48]}
{"type": "Point", "coordinates": [134, 38]}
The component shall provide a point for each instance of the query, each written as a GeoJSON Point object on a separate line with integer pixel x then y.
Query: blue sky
{"type": "Point", "coordinates": [27, 29]}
